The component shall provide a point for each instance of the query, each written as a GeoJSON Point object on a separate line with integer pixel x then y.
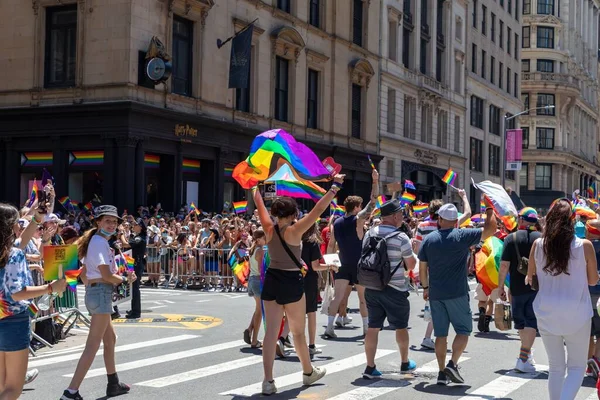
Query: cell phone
{"type": "Point", "coordinates": [42, 199]}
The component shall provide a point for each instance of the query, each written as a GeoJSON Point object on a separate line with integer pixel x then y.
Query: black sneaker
{"type": "Point", "coordinates": [481, 320]}
{"type": "Point", "coordinates": [68, 396]}
{"type": "Point", "coordinates": [117, 389]}
{"type": "Point", "coordinates": [452, 373]}
{"type": "Point", "coordinates": [442, 379]}
{"type": "Point", "coordinates": [486, 324]}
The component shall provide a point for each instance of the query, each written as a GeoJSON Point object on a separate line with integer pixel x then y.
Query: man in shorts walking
{"type": "Point", "coordinates": [443, 272]}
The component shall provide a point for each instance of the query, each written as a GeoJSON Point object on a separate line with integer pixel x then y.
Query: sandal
{"type": "Point", "coordinates": [247, 337]}
{"type": "Point", "coordinates": [258, 345]}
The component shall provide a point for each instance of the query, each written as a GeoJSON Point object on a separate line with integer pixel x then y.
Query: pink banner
{"type": "Point", "coordinates": [514, 143]}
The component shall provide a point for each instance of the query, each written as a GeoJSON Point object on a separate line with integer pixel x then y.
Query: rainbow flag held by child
{"type": "Point", "coordinates": [71, 277]}
{"type": "Point", "coordinates": [450, 177]}
{"type": "Point", "coordinates": [240, 207]}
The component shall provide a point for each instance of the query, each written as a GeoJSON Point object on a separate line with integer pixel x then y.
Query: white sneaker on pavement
{"type": "Point", "coordinates": [330, 333]}
{"type": "Point", "coordinates": [428, 343]}
{"type": "Point", "coordinates": [524, 367]}
{"type": "Point", "coordinates": [31, 375]}
{"type": "Point", "coordinates": [317, 373]}
{"type": "Point", "coordinates": [339, 322]}
{"type": "Point", "coordinates": [314, 350]}
{"type": "Point", "coordinates": [269, 388]}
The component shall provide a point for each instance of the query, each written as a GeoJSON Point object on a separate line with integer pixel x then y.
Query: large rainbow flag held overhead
{"type": "Point", "coordinates": [275, 156]}
{"type": "Point", "coordinates": [487, 264]}
{"type": "Point", "coordinates": [503, 206]}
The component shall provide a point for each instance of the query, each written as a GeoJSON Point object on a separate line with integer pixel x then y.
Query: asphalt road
{"type": "Point", "coordinates": [190, 347]}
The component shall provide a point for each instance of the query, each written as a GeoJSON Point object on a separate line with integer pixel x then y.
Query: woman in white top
{"type": "Point", "coordinates": [564, 266]}
{"type": "Point", "coordinates": [100, 277]}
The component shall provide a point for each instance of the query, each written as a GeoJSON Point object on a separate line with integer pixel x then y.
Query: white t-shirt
{"type": "Point", "coordinates": [98, 253]}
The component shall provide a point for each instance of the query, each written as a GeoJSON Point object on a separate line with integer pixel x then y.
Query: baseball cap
{"type": "Point", "coordinates": [529, 214]}
{"type": "Point", "coordinates": [107, 210]}
{"type": "Point", "coordinates": [54, 218]}
{"type": "Point", "coordinates": [448, 212]}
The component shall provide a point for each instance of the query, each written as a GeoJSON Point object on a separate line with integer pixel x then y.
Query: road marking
{"type": "Point", "coordinates": [166, 358]}
{"type": "Point", "coordinates": [201, 301]}
{"type": "Point", "coordinates": [52, 360]}
{"type": "Point", "coordinates": [155, 307]}
{"type": "Point", "coordinates": [504, 385]}
{"type": "Point", "coordinates": [384, 386]}
{"type": "Point", "coordinates": [295, 378]}
{"type": "Point", "coordinates": [201, 372]}
{"type": "Point", "coordinates": [593, 396]}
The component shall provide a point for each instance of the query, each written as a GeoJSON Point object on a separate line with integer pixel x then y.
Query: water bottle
{"type": "Point", "coordinates": [426, 312]}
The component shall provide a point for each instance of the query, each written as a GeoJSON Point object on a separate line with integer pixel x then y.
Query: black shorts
{"type": "Point", "coordinates": [388, 303]}
{"type": "Point", "coordinates": [349, 273]}
{"type": "Point", "coordinates": [522, 311]}
{"type": "Point", "coordinates": [311, 291]}
{"type": "Point", "coordinates": [284, 287]}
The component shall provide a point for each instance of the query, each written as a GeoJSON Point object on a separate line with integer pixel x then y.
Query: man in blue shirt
{"type": "Point", "coordinates": [443, 272]}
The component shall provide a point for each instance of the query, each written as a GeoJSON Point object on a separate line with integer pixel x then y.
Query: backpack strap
{"type": "Point", "coordinates": [389, 236]}
{"type": "Point", "coordinates": [516, 247]}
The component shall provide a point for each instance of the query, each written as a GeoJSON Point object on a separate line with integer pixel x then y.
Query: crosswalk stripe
{"type": "Point", "coordinates": [201, 372]}
{"type": "Point", "coordinates": [593, 396]}
{"type": "Point", "coordinates": [166, 358]}
{"type": "Point", "coordinates": [385, 386]}
{"type": "Point", "coordinates": [295, 378]}
{"type": "Point", "coordinates": [504, 385]}
{"type": "Point", "coordinates": [118, 349]}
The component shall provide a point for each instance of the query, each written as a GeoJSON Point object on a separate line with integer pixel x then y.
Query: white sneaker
{"type": "Point", "coordinates": [314, 351]}
{"type": "Point", "coordinates": [31, 375]}
{"type": "Point", "coordinates": [330, 333]}
{"type": "Point", "coordinates": [530, 358]}
{"type": "Point", "coordinates": [269, 388]}
{"type": "Point", "coordinates": [524, 367]}
{"type": "Point", "coordinates": [428, 343]}
{"type": "Point", "coordinates": [347, 320]}
{"type": "Point", "coordinates": [317, 373]}
{"type": "Point", "coordinates": [339, 322]}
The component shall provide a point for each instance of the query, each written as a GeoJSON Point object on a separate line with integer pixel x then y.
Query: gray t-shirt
{"type": "Point", "coordinates": [398, 247]}
{"type": "Point", "coordinates": [446, 252]}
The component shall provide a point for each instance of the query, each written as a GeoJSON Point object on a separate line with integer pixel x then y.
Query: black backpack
{"type": "Point", "coordinates": [374, 270]}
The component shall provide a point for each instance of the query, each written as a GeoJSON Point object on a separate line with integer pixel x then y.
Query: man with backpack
{"type": "Point", "coordinates": [386, 256]}
{"type": "Point", "coordinates": [517, 247]}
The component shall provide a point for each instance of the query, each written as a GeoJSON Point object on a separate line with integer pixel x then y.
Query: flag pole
{"type": "Point", "coordinates": [221, 43]}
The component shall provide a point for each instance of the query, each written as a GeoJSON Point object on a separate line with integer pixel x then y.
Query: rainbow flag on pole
{"type": "Point", "coordinates": [194, 208]}
{"type": "Point", "coordinates": [240, 207]}
{"type": "Point", "coordinates": [336, 209]}
{"type": "Point", "coordinates": [34, 194]}
{"type": "Point", "coordinates": [88, 206]}
{"type": "Point", "coordinates": [65, 202]}
{"type": "Point", "coordinates": [450, 177]}
{"type": "Point", "coordinates": [420, 208]}
{"type": "Point", "coordinates": [380, 201]}
{"type": "Point", "coordinates": [407, 197]}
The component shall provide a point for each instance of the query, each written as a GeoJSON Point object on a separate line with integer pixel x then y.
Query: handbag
{"type": "Point", "coordinates": [327, 295]}
{"type": "Point", "coordinates": [523, 263]}
{"type": "Point", "coordinates": [301, 266]}
{"type": "Point", "coordinates": [503, 316]}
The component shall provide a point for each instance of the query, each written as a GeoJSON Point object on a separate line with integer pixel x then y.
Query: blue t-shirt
{"type": "Point", "coordinates": [344, 230]}
{"type": "Point", "coordinates": [446, 253]}
{"type": "Point", "coordinates": [14, 277]}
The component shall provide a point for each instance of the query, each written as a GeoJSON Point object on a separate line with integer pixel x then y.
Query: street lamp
{"type": "Point", "coordinates": [506, 119]}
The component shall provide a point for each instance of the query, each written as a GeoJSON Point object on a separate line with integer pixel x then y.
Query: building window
{"type": "Point", "coordinates": [516, 54]}
{"type": "Point", "coordinates": [543, 176]}
{"type": "Point", "coordinates": [495, 120]}
{"type": "Point", "coordinates": [315, 13]}
{"type": "Point", "coordinates": [183, 40]}
{"type": "Point", "coordinates": [492, 70]}
{"type": "Point", "coordinates": [545, 138]}
{"type": "Point", "coordinates": [410, 116]}
{"type": "Point", "coordinates": [502, 3]}
{"type": "Point", "coordinates": [458, 72]}
{"type": "Point", "coordinates": [476, 159]}
{"type": "Point", "coordinates": [458, 34]}
{"type": "Point", "coordinates": [282, 71]}
{"type": "Point", "coordinates": [457, 133]}
{"type": "Point", "coordinates": [439, 65]}
{"type": "Point", "coordinates": [357, 23]}
{"type": "Point", "coordinates": [284, 5]}
{"type": "Point", "coordinates": [509, 6]}
{"type": "Point", "coordinates": [545, 65]}
{"type": "Point", "coordinates": [508, 80]}
{"type": "Point", "coordinates": [508, 34]}
{"type": "Point", "coordinates": [356, 111]}
{"type": "Point", "coordinates": [406, 42]}
{"type": "Point", "coordinates": [61, 46]}
{"type": "Point", "coordinates": [524, 177]}
{"type": "Point", "coordinates": [525, 141]}
{"type": "Point", "coordinates": [390, 168]}
{"type": "Point", "coordinates": [483, 20]}
{"type": "Point", "coordinates": [423, 66]}
{"type": "Point", "coordinates": [476, 112]}
{"type": "Point", "coordinates": [525, 100]}
{"type": "Point", "coordinates": [312, 106]}
{"type": "Point", "coordinates": [483, 57]}
{"type": "Point", "coordinates": [242, 95]}
{"type": "Point", "coordinates": [545, 37]}
{"type": "Point", "coordinates": [545, 100]}
{"type": "Point", "coordinates": [501, 35]}
{"type": "Point", "coordinates": [525, 66]}
{"type": "Point", "coordinates": [510, 121]}
{"type": "Point", "coordinates": [426, 124]}
{"type": "Point", "coordinates": [526, 7]}
{"type": "Point", "coordinates": [391, 112]}
{"type": "Point", "coordinates": [474, 17]}
{"type": "Point", "coordinates": [474, 58]}
{"type": "Point", "coordinates": [545, 7]}
{"type": "Point", "coordinates": [517, 10]}
{"type": "Point", "coordinates": [442, 129]}
{"type": "Point", "coordinates": [526, 37]}
{"type": "Point", "coordinates": [393, 40]}
{"type": "Point", "coordinates": [516, 85]}
{"type": "Point", "coordinates": [493, 28]}
{"type": "Point", "coordinates": [494, 160]}
{"type": "Point", "coordinates": [500, 74]}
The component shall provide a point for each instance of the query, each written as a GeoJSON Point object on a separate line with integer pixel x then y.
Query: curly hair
{"type": "Point", "coordinates": [9, 216]}
{"type": "Point", "coordinates": [352, 202]}
{"type": "Point", "coordinates": [558, 235]}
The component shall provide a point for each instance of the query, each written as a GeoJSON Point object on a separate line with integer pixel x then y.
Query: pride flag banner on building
{"type": "Point", "coordinates": [86, 158]}
{"type": "Point", "coordinates": [190, 166]}
{"type": "Point", "coordinates": [59, 257]}
{"type": "Point", "coordinates": [36, 159]}
{"type": "Point", "coordinates": [151, 161]}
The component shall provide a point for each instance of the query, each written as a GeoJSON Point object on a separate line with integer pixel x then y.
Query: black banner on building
{"type": "Point", "coordinates": [239, 67]}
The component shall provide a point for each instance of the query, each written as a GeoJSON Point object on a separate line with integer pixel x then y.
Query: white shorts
{"type": "Point", "coordinates": [481, 296]}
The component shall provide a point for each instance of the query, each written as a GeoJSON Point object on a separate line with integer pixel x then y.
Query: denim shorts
{"type": "Point", "coordinates": [15, 332]}
{"type": "Point", "coordinates": [387, 303]}
{"type": "Point", "coordinates": [98, 298]}
{"type": "Point", "coordinates": [522, 311]}
{"type": "Point", "coordinates": [452, 311]}
{"type": "Point", "coordinates": [254, 286]}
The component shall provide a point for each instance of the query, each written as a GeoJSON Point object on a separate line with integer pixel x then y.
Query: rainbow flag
{"type": "Point", "coordinates": [240, 267]}
{"type": "Point", "coordinates": [151, 161]}
{"type": "Point", "coordinates": [36, 159]}
{"type": "Point", "coordinates": [71, 277]}
{"type": "Point", "coordinates": [450, 177]}
{"type": "Point", "coordinates": [482, 206]}
{"type": "Point", "coordinates": [34, 194]}
{"type": "Point", "coordinates": [592, 194]}
{"type": "Point", "coordinates": [240, 207]}
{"type": "Point", "coordinates": [380, 201]}
{"type": "Point", "coordinates": [228, 171]}
{"type": "Point", "coordinates": [130, 261]}
{"type": "Point", "coordinates": [421, 208]}
{"type": "Point", "coordinates": [336, 209]}
{"type": "Point", "coordinates": [190, 166]}
{"type": "Point", "coordinates": [89, 206]}
{"type": "Point", "coordinates": [409, 185]}
{"type": "Point", "coordinates": [407, 197]}
{"type": "Point", "coordinates": [33, 310]}
{"type": "Point", "coordinates": [487, 264]}
{"type": "Point", "coordinates": [65, 202]}
{"type": "Point", "coordinates": [194, 208]}
{"type": "Point", "coordinates": [300, 189]}
{"type": "Point", "coordinates": [371, 162]}
{"type": "Point", "coordinates": [86, 158]}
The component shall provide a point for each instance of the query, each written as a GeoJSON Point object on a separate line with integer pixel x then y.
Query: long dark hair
{"type": "Point", "coordinates": [8, 218]}
{"type": "Point", "coordinates": [312, 234]}
{"type": "Point", "coordinates": [558, 235]}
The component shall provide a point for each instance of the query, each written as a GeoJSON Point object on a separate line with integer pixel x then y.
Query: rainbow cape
{"type": "Point", "coordinates": [500, 201]}
{"type": "Point", "coordinates": [240, 207]}
{"type": "Point", "coordinates": [276, 156]}
{"type": "Point", "coordinates": [240, 267]}
{"type": "Point", "coordinates": [450, 177]}
{"type": "Point", "coordinates": [487, 264]}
